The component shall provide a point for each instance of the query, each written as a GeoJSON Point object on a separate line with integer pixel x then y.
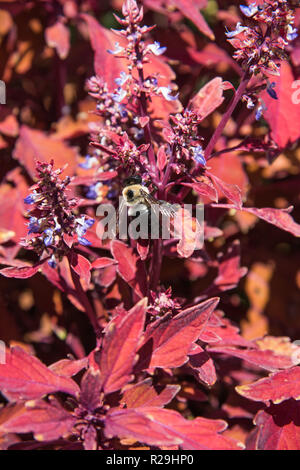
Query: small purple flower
{"type": "Point", "coordinates": [271, 91]}
{"type": "Point", "coordinates": [122, 79]}
{"type": "Point", "coordinates": [238, 29]}
{"type": "Point", "coordinates": [166, 92]}
{"type": "Point", "coordinates": [198, 155]}
{"type": "Point", "coordinates": [119, 95]}
{"type": "Point", "coordinates": [291, 33]}
{"type": "Point", "coordinates": [52, 262]}
{"type": "Point", "coordinates": [83, 225]}
{"type": "Point", "coordinates": [249, 10]}
{"type": "Point", "coordinates": [48, 240]}
{"type": "Point", "coordinates": [83, 241]}
{"type": "Point", "coordinates": [118, 49]}
{"type": "Point", "coordinates": [34, 225]}
{"type": "Point", "coordinates": [156, 49]}
{"type": "Point", "coordinates": [112, 193]}
{"type": "Point", "coordinates": [250, 104]}
{"type": "Point", "coordinates": [122, 111]}
{"type": "Point", "coordinates": [30, 199]}
{"type": "Point", "coordinates": [138, 134]}
{"type": "Point", "coordinates": [88, 162]}
{"type": "Point", "coordinates": [259, 111]}
{"type": "Point", "coordinates": [92, 192]}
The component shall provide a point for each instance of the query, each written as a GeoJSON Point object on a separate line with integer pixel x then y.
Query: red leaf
{"type": "Point", "coordinates": [202, 365]}
{"type": "Point", "coordinates": [266, 359]}
{"type": "Point", "coordinates": [101, 263]}
{"type": "Point", "coordinates": [58, 37]}
{"type": "Point", "coordinates": [144, 394]}
{"type": "Point", "coordinates": [161, 158]}
{"type": "Point", "coordinates": [9, 126]}
{"type": "Point", "coordinates": [87, 180]}
{"type": "Point", "coordinates": [130, 267]}
{"type": "Point", "coordinates": [90, 389]}
{"type": "Point", "coordinates": [283, 115]}
{"type": "Point", "coordinates": [230, 191]}
{"type": "Point", "coordinates": [190, 231]}
{"type": "Point", "coordinates": [102, 39]}
{"type": "Point", "coordinates": [278, 427]}
{"type": "Point", "coordinates": [160, 427]}
{"type": "Point", "coordinates": [204, 189]}
{"type": "Point", "coordinates": [35, 145]}
{"type": "Point", "coordinates": [68, 367]}
{"type": "Point", "coordinates": [191, 11]}
{"type": "Point", "coordinates": [109, 68]}
{"type": "Point", "coordinates": [11, 214]}
{"type": "Point", "coordinates": [24, 376]}
{"type": "Point", "coordinates": [22, 272]}
{"type": "Point", "coordinates": [277, 387]}
{"type": "Point", "coordinates": [122, 336]}
{"type": "Point", "coordinates": [168, 342]}
{"type": "Point", "coordinates": [208, 98]}
{"type": "Point", "coordinates": [47, 421]}
{"type": "Point", "coordinates": [228, 167]}
{"type": "Point", "coordinates": [229, 270]}
{"type": "Point", "coordinates": [279, 217]}
{"type": "Point", "coordinates": [106, 276]}
{"type": "Point", "coordinates": [81, 266]}
{"type": "Point", "coordinates": [220, 330]}
{"type": "Point", "coordinates": [212, 55]}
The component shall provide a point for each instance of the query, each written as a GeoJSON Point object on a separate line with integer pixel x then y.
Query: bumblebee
{"type": "Point", "coordinates": [137, 197]}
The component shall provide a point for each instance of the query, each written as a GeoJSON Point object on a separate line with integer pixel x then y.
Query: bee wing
{"type": "Point", "coordinates": [162, 206]}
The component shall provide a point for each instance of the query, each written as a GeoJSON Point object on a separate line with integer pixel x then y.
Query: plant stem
{"type": "Point", "coordinates": [164, 182]}
{"type": "Point", "coordinates": [218, 132]}
{"type": "Point", "coordinates": [83, 299]}
{"type": "Point", "coordinates": [144, 113]}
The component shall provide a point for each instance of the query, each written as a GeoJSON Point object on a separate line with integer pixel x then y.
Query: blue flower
{"type": "Point", "coordinates": [271, 91]}
{"type": "Point", "coordinates": [138, 134]}
{"type": "Point", "coordinates": [31, 198]}
{"type": "Point", "coordinates": [118, 49]}
{"type": "Point", "coordinates": [156, 49]}
{"type": "Point", "coordinates": [291, 33]}
{"type": "Point", "coordinates": [52, 262]}
{"type": "Point", "coordinates": [92, 192]}
{"type": "Point", "coordinates": [122, 79]}
{"type": "Point", "coordinates": [48, 240]}
{"type": "Point", "coordinates": [34, 225]}
{"type": "Point", "coordinates": [166, 92]}
{"type": "Point", "coordinates": [122, 111]}
{"type": "Point", "coordinates": [83, 225]}
{"type": "Point", "coordinates": [198, 155]}
{"type": "Point", "coordinates": [119, 95]}
{"type": "Point", "coordinates": [249, 10]}
{"type": "Point", "coordinates": [112, 193]}
{"type": "Point", "coordinates": [238, 29]}
{"type": "Point", "coordinates": [88, 162]}
{"type": "Point", "coordinates": [83, 241]}
{"type": "Point", "coordinates": [259, 111]}
{"type": "Point", "coordinates": [250, 104]}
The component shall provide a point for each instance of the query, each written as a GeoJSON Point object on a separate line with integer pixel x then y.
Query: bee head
{"type": "Point", "coordinates": [133, 180]}
{"type": "Point", "coordinates": [130, 194]}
